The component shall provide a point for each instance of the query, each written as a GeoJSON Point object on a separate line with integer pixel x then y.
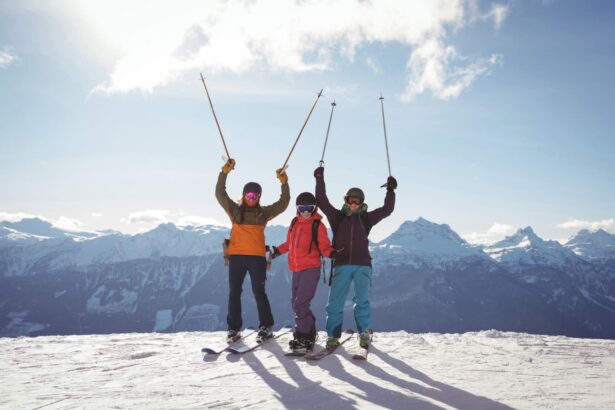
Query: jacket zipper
{"type": "Point", "coordinates": [296, 237]}
{"type": "Point", "coordinates": [351, 237]}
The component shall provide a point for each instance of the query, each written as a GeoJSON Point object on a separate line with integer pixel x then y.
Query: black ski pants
{"type": "Point", "coordinates": [238, 266]}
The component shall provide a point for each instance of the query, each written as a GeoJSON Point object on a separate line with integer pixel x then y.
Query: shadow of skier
{"type": "Point", "coordinates": [303, 393]}
{"type": "Point", "coordinates": [373, 392]}
{"type": "Point", "coordinates": [438, 391]}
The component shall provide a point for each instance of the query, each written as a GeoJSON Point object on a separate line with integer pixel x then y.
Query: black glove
{"type": "Point", "coordinates": [391, 184]}
{"type": "Point", "coordinates": [319, 172]}
{"type": "Point", "coordinates": [274, 252]}
{"type": "Point", "coordinates": [336, 252]}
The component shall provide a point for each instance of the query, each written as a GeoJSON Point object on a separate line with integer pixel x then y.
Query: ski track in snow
{"type": "Point", "coordinates": [483, 370]}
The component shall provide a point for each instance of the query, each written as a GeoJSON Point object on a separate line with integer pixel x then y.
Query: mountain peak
{"type": "Point", "coordinates": [426, 237]}
{"type": "Point", "coordinates": [592, 245]}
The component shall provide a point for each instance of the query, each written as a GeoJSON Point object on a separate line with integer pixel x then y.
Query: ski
{"type": "Point", "coordinates": [222, 348]}
{"type": "Point", "coordinates": [248, 347]}
{"type": "Point", "coordinates": [327, 351]}
{"type": "Point", "coordinates": [361, 353]}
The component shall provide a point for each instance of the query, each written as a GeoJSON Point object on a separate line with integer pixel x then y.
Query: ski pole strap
{"type": "Point", "coordinates": [225, 244]}
{"type": "Point", "coordinates": [331, 274]}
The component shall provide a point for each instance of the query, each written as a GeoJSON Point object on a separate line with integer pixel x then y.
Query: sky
{"type": "Point", "coordinates": [496, 112]}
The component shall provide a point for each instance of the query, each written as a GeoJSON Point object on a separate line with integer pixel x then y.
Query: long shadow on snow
{"type": "Point", "coordinates": [441, 392]}
{"type": "Point", "coordinates": [307, 394]}
{"type": "Point", "coordinates": [373, 392]}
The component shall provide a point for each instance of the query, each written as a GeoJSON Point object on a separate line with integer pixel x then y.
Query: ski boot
{"type": "Point", "coordinates": [232, 336]}
{"type": "Point", "coordinates": [302, 343]}
{"type": "Point", "coordinates": [332, 342]}
{"type": "Point", "coordinates": [365, 339]}
{"type": "Point", "coordinates": [264, 333]}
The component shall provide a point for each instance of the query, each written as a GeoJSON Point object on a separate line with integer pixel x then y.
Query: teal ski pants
{"type": "Point", "coordinates": [342, 277]}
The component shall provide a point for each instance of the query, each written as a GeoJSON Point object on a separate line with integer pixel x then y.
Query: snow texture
{"type": "Point", "coordinates": [484, 370]}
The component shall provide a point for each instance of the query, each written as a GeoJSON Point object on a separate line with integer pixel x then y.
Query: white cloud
{"type": "Point", "coordinates": [6, 58]}
{"type": "Point", "coordinates": [373, 64]}
{"type": "Point", "coordinates": [193, 220]}
{"type": "Point", "coordinates": [498, 14]}
{"type": "Point", "coordinates": [153, 217]}
{"type": "Point", "coordinates": [149, 216]}
{"type": "Point", "coordinates": [496, 232]}
{"type": "Point", "coordinates": [96, 214]}
{"type": "Point", "coordinates": [16, 216]}
{"type": "Point", "coordinates": [70, 224]}
{"type": "Point", "coordinates": [437, 68]}
{"type": "Point", "coordinates": [593, 225]}
{"type": "Point", "coordinates": [158, 43]}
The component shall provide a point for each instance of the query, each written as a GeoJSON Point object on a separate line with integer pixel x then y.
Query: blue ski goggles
{"type": "Point", "coordinates": [305, 208]}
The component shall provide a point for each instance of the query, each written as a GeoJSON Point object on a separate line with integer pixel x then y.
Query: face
{"type": "Point", "coordinates": [353, 203]}
{"type": "Point", "coordinates": [306, 211]}
{"type": "Point", "coordinates": [251, 198]}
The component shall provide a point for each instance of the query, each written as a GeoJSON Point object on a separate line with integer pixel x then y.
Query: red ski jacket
{"type": "Point", "coordinates": [298, 241]}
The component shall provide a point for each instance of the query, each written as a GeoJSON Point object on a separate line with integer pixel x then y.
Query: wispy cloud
{"type": "Point", "coordinates": [443, 71]}
{"type": "Point", "coordinates": [16, 216]}
{"type": "Point", "coordinates": [593, 225]}
{"type": "Point", "coordinates": [194, 220]}
{"type": "Point", "coordinates": [158, 46]}
{"type": "Point", "coordinates": [6, 57]}
{"type": "Point", "coordinates": [70, 224]}
{"type": "Point", "coordinates": [153, 217]}
{"type": "Point", "coordinates": [496, 232]}
{"type": "Point", "coordinates": [149, 216]}
{"type": "Point", "coordinates": [373, 64]}
{"type": "Point", "coordinates": [497, 14]}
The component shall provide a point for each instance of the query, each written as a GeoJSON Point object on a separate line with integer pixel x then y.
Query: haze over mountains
{"type": "Point", "coordinates": [426, 278]}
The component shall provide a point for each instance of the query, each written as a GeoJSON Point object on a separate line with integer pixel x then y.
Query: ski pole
{"type": "Point", "coordinates": [386, 143]}
{"type": "Point", "coordinates": [322, 158]}
{"type": "Point", "coordinates": [301, 131]}
{"type": "Point", "coordinates": [215, 117]}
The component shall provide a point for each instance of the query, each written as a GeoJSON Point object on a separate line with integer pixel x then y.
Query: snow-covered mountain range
{"type": "Point", "coordinates": [426, 278]}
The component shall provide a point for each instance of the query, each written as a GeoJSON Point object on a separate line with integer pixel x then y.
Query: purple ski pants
{"type": "Point", "coordinates": [303, 289]}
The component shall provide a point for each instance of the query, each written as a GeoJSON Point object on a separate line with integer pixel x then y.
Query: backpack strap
{"type": "Point", "coordinates": [315, 225]}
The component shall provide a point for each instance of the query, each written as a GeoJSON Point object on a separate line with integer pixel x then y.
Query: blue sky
{"type": "Point", "coordinates": [498, 113]}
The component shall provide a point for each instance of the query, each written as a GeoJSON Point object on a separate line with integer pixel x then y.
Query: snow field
{"type": "Point", "coordinates": [483, 370]}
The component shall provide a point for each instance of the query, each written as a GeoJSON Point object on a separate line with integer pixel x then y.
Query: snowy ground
{"type": "Point", "coordinates": [486, 370]}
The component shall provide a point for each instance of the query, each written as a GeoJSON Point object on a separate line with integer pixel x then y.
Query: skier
{"type": "Point", "coordinates": [306, 242]}
{"type": "Point", "coordinates": [246, 248]}
{"type": "Point", "coordinates": [351, 226]}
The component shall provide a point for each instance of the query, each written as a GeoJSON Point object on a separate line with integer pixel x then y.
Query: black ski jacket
{"type": "Point", "coordinates": [350, 232]}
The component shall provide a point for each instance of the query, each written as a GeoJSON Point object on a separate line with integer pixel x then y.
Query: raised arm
{"type": "Point", "coordinates": [379, 214]}
{"type": "Point", "coordinates": [273, 210]}
{"type": "Point", "coordinates": [321, 196]}
{"type": "Point", "coordinates": [221, 195]}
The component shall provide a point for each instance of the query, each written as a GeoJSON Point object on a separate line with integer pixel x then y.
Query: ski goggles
{"type": "Point", "coordinates": [305, 208]}
{"type": "Point", "coordinates": [251, 196]}
{"type": "Point", "coordinates": [350, 200]}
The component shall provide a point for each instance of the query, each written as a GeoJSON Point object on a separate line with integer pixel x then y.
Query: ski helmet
{"type": "Point", "coordinates": [252, 187]}
{"type": "Point", "coordinates": [355, 193]}
{"type": "Point", "coordinates": [305, 198]}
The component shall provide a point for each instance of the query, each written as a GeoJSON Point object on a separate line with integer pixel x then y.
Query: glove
{"type": "Point", "coordinates": [336, 252]}
{"type": "Point", "coordinates": [391, 184]}
{"type": "Point", "coordinates": [274, 252]}
{"type": "Point", "coordinates": [281, 175]}
{"type": "Point", "coordinates": [319, 172]}
{"type": "Point", "coordinates": [229, 166]}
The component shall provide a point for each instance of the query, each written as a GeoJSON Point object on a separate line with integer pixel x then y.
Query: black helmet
{"type": "Point", "coordinates": [355, 193]}
{"type": "Point", "coordinates": [252, 187]}
{"type": "Point", "coordinates": [305, 198]}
